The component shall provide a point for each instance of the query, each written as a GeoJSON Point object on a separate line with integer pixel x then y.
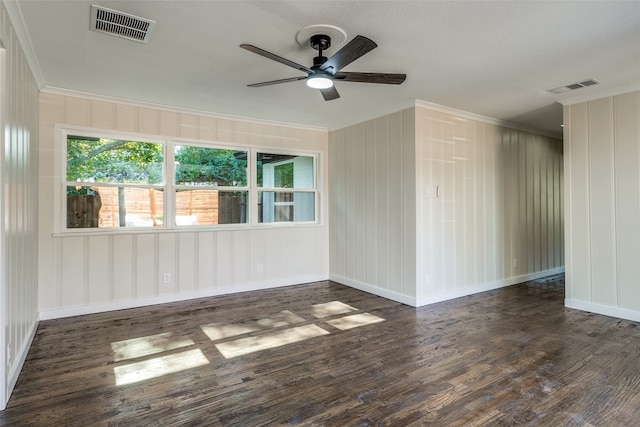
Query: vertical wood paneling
{"type": "Point", "coordinates": [146, 272]}
{"type": "Point", "coordinates": [627, 196]}
{"type": "Point", "coordinates": [188, 265]}
{"type": "Point", "coordinates": [382, 200]}
{"type": "Point", "coordinates": [73, 271]}
{"type": "Point", "coordinates": [359, 203]}
{"type": "Point", "coordinates": [347, 227]}
{"type": "Point", "coordinates": [226, 251]}
{"type": "Point", "coordinates": [409, 231]}
{"type": "Point", "coordinates": [493, 207]}
{"type": "Point", "coordinates": [77, 111]}
{"type": "Point", "coordinates": [602, 149]}
{"type": "Point", "coordinates": [207, 260]}
{"type": "Point", "coordinates": [369, 183]}
{"type": "Point", "coordinates": [19, 205]}
{"type": "Point", "coordinates": [167, 259]}
{"type": "Point", "coordinates": [126, 118]}
{"type": "Point", "coordinates": [257, 255]}
{"type": "Point", "coordinates": [339, 219]}
{"type": "Point", "coordinates": [103, 115]}
{"type": "Point", "coordinates": [148, 121]}
{"type": "Point", "coordinates": [371, 244]}
{"type": "Point", "coordinates": [396, 189]}
{"type": "Point", "coordinates": [122, 268]}
{"type": "Point", "coordinates": [602, 201]}
{"type": "Point", "coordinates": [97, 261]}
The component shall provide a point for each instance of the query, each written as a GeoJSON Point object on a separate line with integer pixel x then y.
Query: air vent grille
{"type": "Point", "coordinates": [121, 24]}
{"type": "Point", "coordinates": [574, 86]}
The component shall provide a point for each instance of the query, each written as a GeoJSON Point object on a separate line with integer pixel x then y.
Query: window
{"type": "Point", "coordinates": [211, 186]}
{"type": "Point", "coordinates": [287, 184]}
{"type": "Point", "coordinates": [115, 183]}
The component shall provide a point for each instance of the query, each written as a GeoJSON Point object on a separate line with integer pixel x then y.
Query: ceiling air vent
{"type": "Point", "coordinates": [121, 24]}
{"type": "Point", "coordinates": [574, 86]}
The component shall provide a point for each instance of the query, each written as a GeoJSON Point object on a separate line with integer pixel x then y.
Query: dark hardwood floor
{"type": "Point", "coordinates": [324, 354]}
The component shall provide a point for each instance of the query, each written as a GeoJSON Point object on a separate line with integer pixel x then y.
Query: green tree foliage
{"type": "Point", "coordinates": [133, 162]}
{"type": "Point", "coordinates": [113, 161]}
{"type": "Point", "coordinates": [210, 166]}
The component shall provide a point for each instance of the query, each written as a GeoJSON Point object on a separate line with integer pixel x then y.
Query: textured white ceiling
{"type": "Point", "coordinates": [495, 59]}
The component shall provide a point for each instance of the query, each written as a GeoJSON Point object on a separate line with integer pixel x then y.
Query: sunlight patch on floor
{"type": "Point", "coordinates": [354, 321]}
{"type": "Point", "coordinates": [331, 308]}
{"type": "Point", "coordinates": [269, 340]}
{"type": "Point", "coordinates": [159, 366]}
{"type": "Point", "coordinates": [218, 331]}
{"type": "Point", "coordinates": [145, 346]}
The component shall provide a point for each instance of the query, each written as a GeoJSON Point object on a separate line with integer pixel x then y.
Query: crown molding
{"type": "Point", "coordinates": [481, 118]}
{"type": "Point", "coordinates": [142, 104]}
{"type": "Point", "coordinates": [24, 40]}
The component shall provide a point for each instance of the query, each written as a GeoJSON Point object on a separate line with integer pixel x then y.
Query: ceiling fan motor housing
{"type": "Point", "coordinates": [320, 42]}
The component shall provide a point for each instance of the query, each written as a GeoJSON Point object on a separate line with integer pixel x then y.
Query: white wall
{"type": "Point", "coordinates": [83, 274]}
{"type": "Point", "coordinates": [19, 206]}
{"type": "Point", "coordinates": [373, 214]}
{"type": "Point", "coordinates": [489, 204]}
{"type": "Point", "coordinates": [429, 204]}
{"type": "Point", "coordinates": [602, 163]}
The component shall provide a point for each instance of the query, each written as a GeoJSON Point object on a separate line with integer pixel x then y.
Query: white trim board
{"type": "Point", "coordinates": [605, 310]}
{"type": "Point", "coordinates": [365, 287]}
{"type": "Point", "coordinates": [433, 299]}
{"type": "Point", "coordinates": [169, 298]}
{"type": "Point", "coordinates": [21, 356]}
{"type": "Point", "coordinates": [488, 286]}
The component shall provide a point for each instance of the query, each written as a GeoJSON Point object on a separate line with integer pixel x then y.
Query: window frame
{"type": "Point", "coordinates": [170, 187]}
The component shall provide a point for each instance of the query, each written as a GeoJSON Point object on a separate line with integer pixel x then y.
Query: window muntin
{"type": "Point", "coordinates": [113, 184]}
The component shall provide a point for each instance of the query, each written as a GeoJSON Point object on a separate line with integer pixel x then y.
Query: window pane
{"type": "Point", "coordinates": [201, 207]}
{"type": "Point", "coordinates": [113, 207]}
{"type": "Point", "coordinates": [210, 166]}
{"type": "Point", "coordinates": [285, 171]}
{"type": "Point", "coordinates": [286, 206]}
{"type": "Point", "coordinates": [113, 161]}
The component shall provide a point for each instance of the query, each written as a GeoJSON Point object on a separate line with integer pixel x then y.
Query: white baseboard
{"type": "Point", "coordinates": [606, 310]}
{"type": "Point", "coordinates": [445, 296]}
{"type": "Point", "coordinates": [21, 356]}
{"type": "Point", "coordinates": [488, 286]}
{"type": "Point", "coordinates": [169, 298]}
{"type": "Point", "coordinates": [385, 293]}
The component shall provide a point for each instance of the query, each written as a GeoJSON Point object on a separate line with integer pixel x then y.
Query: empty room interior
{"type": "Point", "coordinates": [322, 213]}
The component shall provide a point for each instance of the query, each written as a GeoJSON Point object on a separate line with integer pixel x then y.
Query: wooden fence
{"type": "Point", "coordinates": [144, 207]}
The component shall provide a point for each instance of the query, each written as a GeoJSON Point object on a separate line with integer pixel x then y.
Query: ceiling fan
{"type": "Point", "coordinates": [324, 72]}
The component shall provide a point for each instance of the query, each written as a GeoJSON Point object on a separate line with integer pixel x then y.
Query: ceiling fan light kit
{"type": "Point", "coordinates": [322, 74]}
{"type": "Point", "coordinates": [316, 81]}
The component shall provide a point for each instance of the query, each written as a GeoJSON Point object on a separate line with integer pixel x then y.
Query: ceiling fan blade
{"type": "Point", "coordinates": [330, 93]}
{"type": "Point", "coordinates": [349, 53]}
{"type": "Point", "coordinates": [274, 57]}
{"type": "Point", "coordinates": [275, 82]}
{"type": "Point", "coordinates": [384, 78]}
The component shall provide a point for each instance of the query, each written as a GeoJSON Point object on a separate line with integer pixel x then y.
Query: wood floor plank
{"type": "Point", "coordinates": [512, 356]}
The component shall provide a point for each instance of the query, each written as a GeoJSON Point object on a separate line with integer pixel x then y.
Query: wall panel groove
{"type": "Point", "coordinates": [603, 205]}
